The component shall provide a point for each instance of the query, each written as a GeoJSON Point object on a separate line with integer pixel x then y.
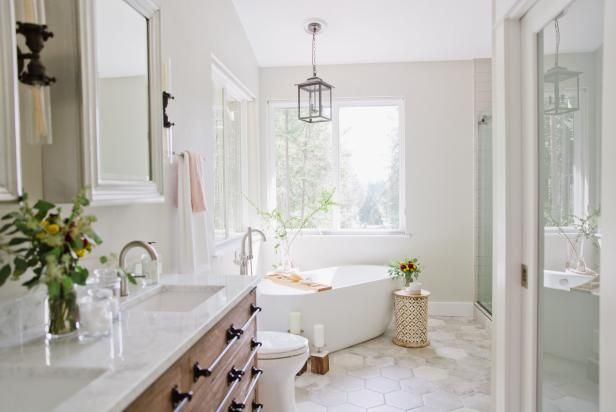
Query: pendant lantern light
{"type": "Point", "coordinates": [314, 96]}
{"type": "Point", "coordinates": [562, 86]}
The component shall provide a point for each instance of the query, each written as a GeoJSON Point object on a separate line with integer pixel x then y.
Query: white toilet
{"type": "Point", "coordinates": [281, 357]}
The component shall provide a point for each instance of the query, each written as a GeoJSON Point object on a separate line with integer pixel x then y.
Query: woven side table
{"type": "Point", "coordinates": [411, 319]}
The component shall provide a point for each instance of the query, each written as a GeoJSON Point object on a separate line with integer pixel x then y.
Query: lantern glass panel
{"type": "Point", "coordinates": [314, 101]}
{"type": "Point", "coordinates": [562, 91]}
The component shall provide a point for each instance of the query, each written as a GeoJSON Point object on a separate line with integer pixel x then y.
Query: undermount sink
{"type": "Point", "coordinates": [177, 298]}
{"type": "Point", "coordinates": [37, 388]}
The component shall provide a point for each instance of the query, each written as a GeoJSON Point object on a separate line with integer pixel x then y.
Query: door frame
{"type": "Point", "coordinates": [516, 199]}
{"type": "Point", "coordinates": [533, 22]}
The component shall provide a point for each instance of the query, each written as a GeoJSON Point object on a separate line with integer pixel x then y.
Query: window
{"type": "Point", "coordinates": [357, 155]}
{"type": "Point", "coordinates": [230, 112]}
{"type": "Point", "coordinates": [570, 178]}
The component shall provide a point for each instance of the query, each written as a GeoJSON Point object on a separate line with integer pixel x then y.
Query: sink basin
{"type": "Point", "coordinates": [177, 298]}
{"type": "Point", "coordinates": [36, 389]}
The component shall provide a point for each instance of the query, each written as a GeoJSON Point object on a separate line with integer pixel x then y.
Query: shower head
{"type": "Point", "coordinates": [484, 119]}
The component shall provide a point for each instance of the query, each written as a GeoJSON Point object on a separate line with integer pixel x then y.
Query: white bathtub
{"type": "Point", "coordinates": [356, 309]}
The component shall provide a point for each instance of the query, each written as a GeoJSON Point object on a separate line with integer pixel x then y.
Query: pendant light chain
{"type": "Point", "coordinates": [314, 52]}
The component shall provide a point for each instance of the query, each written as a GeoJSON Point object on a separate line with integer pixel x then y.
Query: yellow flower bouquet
{"type": "Point", "coordinates": [407, 268]}
{"type": "Point", "coordinates": [43, 244]}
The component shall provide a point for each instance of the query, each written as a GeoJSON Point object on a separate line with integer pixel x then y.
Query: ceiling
{"type": "Point", "coordinates": [367, 31]}
{"type": "Point", "coordinates": [581, 28]}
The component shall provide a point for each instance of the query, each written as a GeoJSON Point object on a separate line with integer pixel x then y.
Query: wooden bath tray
{"type": "Point", "coordinates": [284, 279]}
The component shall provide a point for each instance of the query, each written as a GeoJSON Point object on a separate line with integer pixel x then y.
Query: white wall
{"type": "Point", "coordinates": [439, 127]}
{"type": "Point", "coordinates": [190, 34]}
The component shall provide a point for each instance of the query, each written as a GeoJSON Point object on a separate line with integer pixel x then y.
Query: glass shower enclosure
{"type": "Point", "coordinates": [483, 210]}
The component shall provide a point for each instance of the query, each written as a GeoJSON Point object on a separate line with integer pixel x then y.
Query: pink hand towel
{"type": "Point", "coordinates": [197, 187]}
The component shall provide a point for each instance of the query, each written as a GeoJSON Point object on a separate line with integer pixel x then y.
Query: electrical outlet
{"type": "Point", "coordinates": [525, 276]}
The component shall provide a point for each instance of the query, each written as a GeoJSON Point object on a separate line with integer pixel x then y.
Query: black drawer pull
{"type": "Point", "coordinates": [257, 407]}
{"type": "Point", "coordinates": [179, 399]}
{"type": "Point", "coordinates": [236, 406]}
{"type": "Point", "coordinates": [233, 335]}
{"type": "Point", "coordinates": [234, 375]}
{"type": "Point", "coordinates": [254, 345]}
{"type": "Point", "coordinates": [239, 406]}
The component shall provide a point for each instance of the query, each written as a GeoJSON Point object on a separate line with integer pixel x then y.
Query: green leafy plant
{"type": "Point", "coordinates": [286, 229]}
{"type": "Point", "coordinates": [586, 228]}
{"type": "Point", "coordinates": [407, 268]}
{"type": "Point", "coordinates": [50, 245]}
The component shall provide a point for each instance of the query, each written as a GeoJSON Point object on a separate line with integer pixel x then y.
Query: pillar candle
{"type": "Point", "coordinates": [295, 323]}
{"type": "Point", "coordinates": [318, 336]}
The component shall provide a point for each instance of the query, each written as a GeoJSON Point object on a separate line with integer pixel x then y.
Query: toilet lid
{"type": "Point", "coordinates": [276, 345]}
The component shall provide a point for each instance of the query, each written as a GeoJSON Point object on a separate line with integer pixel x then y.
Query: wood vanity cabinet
{"type": "Point", "coordinates": [218, 387]}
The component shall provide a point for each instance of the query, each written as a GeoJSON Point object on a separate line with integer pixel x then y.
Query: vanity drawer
{"type": "Point", "coordinates": [215, 348]}
{"type": "Point", "coordinates": [207, 391]}
{"type": "Point", "coordinates": [210, 394]}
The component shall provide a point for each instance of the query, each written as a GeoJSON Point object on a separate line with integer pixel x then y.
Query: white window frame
{"type": "Point", "coordinates": [233, 87]}
{"type": "Point", "coordinates": [336, 105]}
{"type": "Point", "coordinates": [583, 170]}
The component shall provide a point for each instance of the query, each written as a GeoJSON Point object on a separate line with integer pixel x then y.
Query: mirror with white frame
{"type": "Point", "coordinates": [10, 180]}
{"type": "Point", "coordinates": [124, 138]}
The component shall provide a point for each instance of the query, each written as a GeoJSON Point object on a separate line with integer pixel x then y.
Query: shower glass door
{"type": "Point", "coordinates": [570, 84]}
{"type": "Point", "coordinates": [483, 222]}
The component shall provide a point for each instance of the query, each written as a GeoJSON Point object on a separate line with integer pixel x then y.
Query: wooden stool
{"type": "Point", "coordinates": [411, 319]}
{"type": "Point", "coordinates": [319, 363]}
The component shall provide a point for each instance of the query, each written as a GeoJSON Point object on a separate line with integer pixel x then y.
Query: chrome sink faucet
{"type": "Point", "coordinates": [129, 246]}
{"type": "Point", "coordinates": [244, 258]}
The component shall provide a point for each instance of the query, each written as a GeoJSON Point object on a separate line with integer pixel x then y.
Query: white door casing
{"type": "Point", "coordinates": [516, 201]}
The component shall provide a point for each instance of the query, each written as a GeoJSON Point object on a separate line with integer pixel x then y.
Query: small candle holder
{"type": "Point", "coordinates": [319, 362]}
{"type": "Point", "coordinates": [319, 349]}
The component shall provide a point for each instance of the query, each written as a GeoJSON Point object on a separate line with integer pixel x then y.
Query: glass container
{"type": "Point", "coordinates": [95, 314]}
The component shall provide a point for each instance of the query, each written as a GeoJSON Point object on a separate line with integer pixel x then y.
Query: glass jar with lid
{"type": "Point", "coordinates": [107, 278]}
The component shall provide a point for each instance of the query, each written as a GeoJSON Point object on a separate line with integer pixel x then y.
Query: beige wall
{"type": "Point", "coordinates": [439, 125]}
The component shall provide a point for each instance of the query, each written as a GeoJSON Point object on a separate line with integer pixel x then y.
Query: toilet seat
{"type": "Point", "coordinates": [278, 345]}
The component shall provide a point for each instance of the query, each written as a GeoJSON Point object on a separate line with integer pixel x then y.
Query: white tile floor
{"type": "Point", "coordinates": [566, 386]}
{"type": "Point", "coordinates": [452, 374]}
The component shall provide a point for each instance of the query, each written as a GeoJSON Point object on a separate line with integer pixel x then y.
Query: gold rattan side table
{"type": "Point", "coordinates": [411, 319]}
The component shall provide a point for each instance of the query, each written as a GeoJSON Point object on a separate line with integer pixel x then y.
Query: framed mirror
{"type": "Point", "coordinates": [10, 176]}
{"type": "Point", "coordinates": [122, 107]}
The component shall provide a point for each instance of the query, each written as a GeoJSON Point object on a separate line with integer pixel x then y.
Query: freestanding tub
{"type": "Point", "coordinates": [356, 309]}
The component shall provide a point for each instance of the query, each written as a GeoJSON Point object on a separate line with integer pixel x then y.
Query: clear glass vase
{"type": "Point", "coordinates": [575, 255]}
{"type": "Point", "coordinates": [62, 316]}
{"type": "Point", "coordinates": [286, 261]}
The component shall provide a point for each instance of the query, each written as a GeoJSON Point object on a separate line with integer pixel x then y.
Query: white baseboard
{"type": "Point", "coordinates": [451, 309]}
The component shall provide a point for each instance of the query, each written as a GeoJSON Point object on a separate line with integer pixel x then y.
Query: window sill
{"type": "Point", "coordinates": [356, 233]}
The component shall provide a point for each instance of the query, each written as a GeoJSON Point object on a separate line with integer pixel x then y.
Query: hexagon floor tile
{"type": "Point", "coordinates": [403, 400]}
{"type": "Point", "coordinates": [378, 376]}
{"type": "Point", "coordinates": [365, 398]}
{"type": "Point", "coordinates": [383, 385]}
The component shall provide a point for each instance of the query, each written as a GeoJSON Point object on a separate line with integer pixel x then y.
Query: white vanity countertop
{"type": "Point", "coordinates": [142, 345]}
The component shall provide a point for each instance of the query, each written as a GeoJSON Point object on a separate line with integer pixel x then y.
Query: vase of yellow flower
{"type": "Point", "coordinates": [47, 246]}
{"type": "Point", "coordinates": [409, 270]}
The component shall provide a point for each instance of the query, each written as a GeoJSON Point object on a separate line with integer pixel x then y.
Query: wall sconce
{"type": "Point", "coordinates": [34, 74]}
{"type": "Point", "coordinates": [34, 96]}
{"type": "Point", "coordinates": [167, 124]}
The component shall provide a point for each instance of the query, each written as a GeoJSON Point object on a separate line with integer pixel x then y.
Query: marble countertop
{"type": "Point", "coordinates": [141, 346]}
